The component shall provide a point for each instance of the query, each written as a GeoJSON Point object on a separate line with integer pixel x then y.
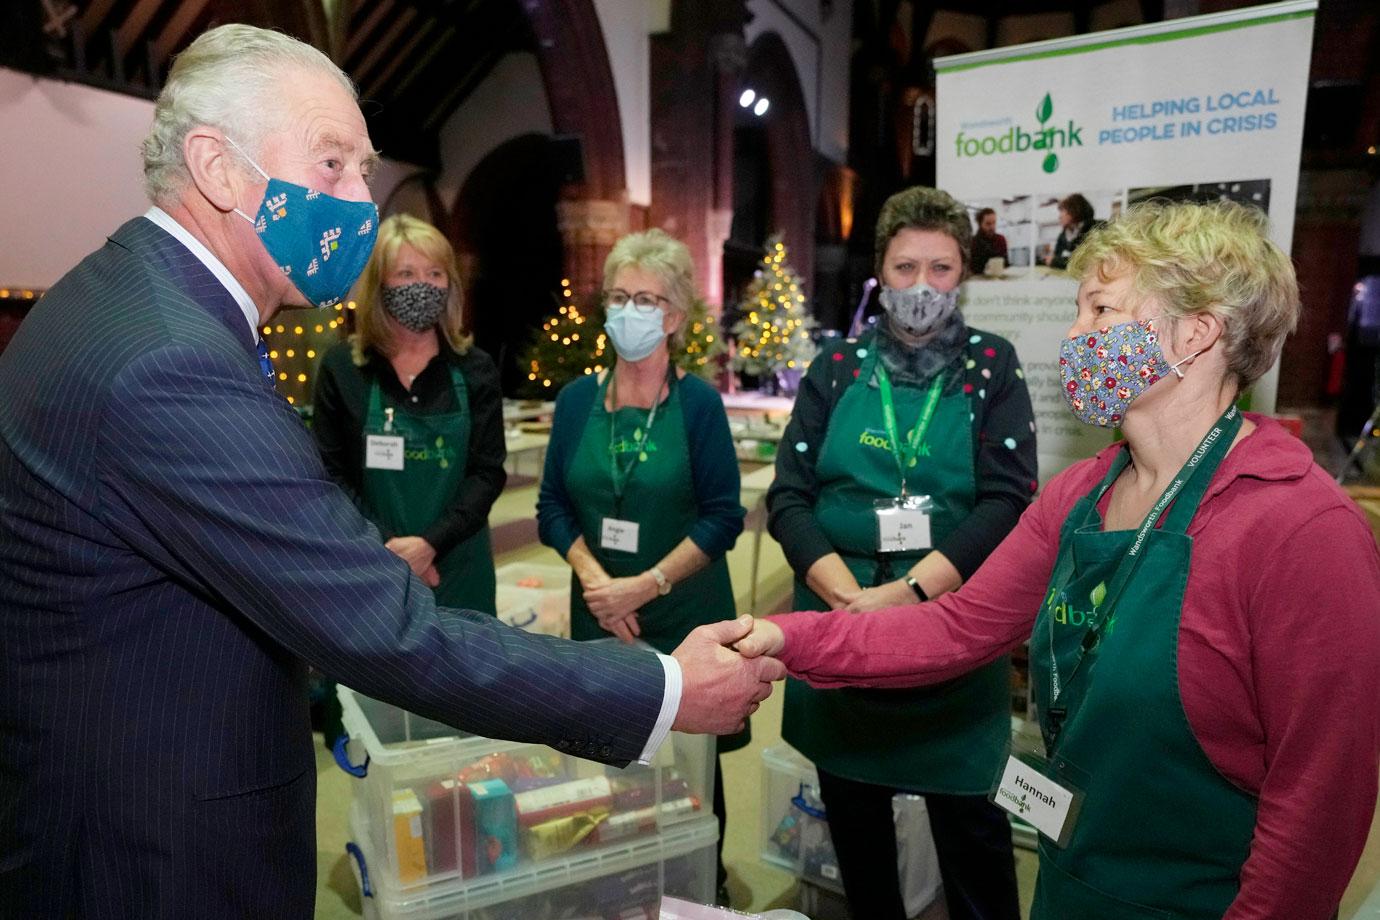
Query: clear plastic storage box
{"type": "Point", "coordinates": [534, 597]}
{"type": "Point", "coordinates": [438, 806]}
{"type": "Point", "coordinates": [626, 881]}
{"type": "Point", "coordinates": [795, 832]}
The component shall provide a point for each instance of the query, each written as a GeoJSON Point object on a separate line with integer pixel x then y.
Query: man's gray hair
{"type": "Point", "coordinates": [228, 79]}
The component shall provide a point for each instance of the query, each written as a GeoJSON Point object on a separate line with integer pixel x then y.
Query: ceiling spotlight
{"type": "Point", "coordinates": [746, 99]}
{"type": "Point", "coordinates": [761, 107]}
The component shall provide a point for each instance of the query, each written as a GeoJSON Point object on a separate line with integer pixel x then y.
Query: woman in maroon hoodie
{"type": "Point", "coordinates": [1202, 605]}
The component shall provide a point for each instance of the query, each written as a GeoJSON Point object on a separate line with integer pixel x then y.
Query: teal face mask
{"type": "Point", "coordinates": [319, 241]}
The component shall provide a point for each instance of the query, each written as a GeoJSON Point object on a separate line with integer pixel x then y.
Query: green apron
{"type": "Point", "coordinates": [659, 495]}
{"type": "Point", "coordinates": [1160, 833]}
{"type": "Point", "coordinates": [948, 738]}
{"type": "Point", "coordinates": [405, 502]}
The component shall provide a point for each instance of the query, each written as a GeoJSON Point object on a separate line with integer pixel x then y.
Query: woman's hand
{"type": "Point", "coordinates": [892, 594]}
{"type": "Point", "coordinates": [766, 638]}
{"type": "Point", "coordinates": [621, 596]}
{"type": "Point", "coordinates": [831, 579]}
{"type": "Point", "coordinates": [420, 557]}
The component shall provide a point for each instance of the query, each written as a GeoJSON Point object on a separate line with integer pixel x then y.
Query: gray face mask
{"type": "Point", "coordinates": [919, 310]}
{"type": "Point", "coordinates": [416, 306]}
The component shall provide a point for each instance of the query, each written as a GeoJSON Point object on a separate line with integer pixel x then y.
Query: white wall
{"type": "Point", "coordinates": [71, 173]}
{"type": "Point", "coordinates": [509, 103]}
{"type": "Point", "coordinates": [626, 24]}
{"type": "Point", "coordinates": [821, 62]}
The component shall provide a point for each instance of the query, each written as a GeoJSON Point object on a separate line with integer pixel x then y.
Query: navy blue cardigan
{"type": "Point", "coordinates": [713, 467]}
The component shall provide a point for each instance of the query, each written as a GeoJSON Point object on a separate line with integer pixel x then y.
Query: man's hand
{"type": "Point", "coordinates": [891, 594]}
{"type": "Point", "coordinates": [420, 557]}
{"type": "Point", "coordinates": [721, 688]}
{"type": "Point", "coordinates": [766, 639]}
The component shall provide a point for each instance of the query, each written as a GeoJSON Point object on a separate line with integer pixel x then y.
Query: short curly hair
{"type": "Point", "coordinates": [1204, 258]}
{"type": "Point", "coordinates": [663, 255]}
{"type": "Point", "coordinates": [923, 208]}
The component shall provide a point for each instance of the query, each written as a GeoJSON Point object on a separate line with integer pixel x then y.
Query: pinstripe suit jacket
{"type": "Point", "coordinates": [171, 551]}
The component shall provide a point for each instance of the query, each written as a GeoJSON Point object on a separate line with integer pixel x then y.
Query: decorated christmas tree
{"type": "Point", "coordinates": [774, 332]}
{"type": "Point", "coordinates": [703, 342]}
{"type": "Point", "coordinates": [571, 343]}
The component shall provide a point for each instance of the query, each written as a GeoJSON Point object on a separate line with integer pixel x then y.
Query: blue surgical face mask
{"type": "Point", "coordinates": [635, 334]}
{"type": "Point", "coordinates": [319, 241]}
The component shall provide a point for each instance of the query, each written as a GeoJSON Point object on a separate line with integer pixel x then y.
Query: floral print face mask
{"type": "Point", "coordinates": [1105, 370]}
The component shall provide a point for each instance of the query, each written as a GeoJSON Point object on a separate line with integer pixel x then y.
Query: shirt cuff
{"type": "Point", "coordinates": [670, 706]}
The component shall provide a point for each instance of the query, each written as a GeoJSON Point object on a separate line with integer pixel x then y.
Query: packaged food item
{"type": "Point", "coordinates": [560, 835]}
{"type": "Point", "coordinates": [540, 805]}
{"type": "Point", "coordinates": [531, 581]}
{"type": "Point", "coordinates": [407, 836]}
{"type": "Point", "coordinates": [450, 825]}
{"type": "Point", "coordinates": [638, 790]}
{"type": "Point", "coordinates": [495, 825]}
{"type": "Point", "coordinates": [512, 767]}
{"type": "Point", "coordinates": [624, 824]}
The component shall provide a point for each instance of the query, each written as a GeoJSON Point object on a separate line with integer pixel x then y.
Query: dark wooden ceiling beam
{"type": "Point", "coordinates": [95, 16]}
{"type": "Point", "coordinates": [175, 32]}
{"type": "Point", "coordinates": [134, 24]}
{"type": "Point", "coordinates": [445, 38]}
{"type": "Point", "coordinates": [380, 87]}
{"type": "Point", "coordinates": [383, 47]}
{"type": "Point", "coordinates": [359, 36]}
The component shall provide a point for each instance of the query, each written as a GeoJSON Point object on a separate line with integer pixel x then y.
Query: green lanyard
{"type": "Point", "coordinates": [622, 473]}
{"type": "Point", "coordinates": [1209, 453]}
{"type": "Point", "coordinates": [906, 456]}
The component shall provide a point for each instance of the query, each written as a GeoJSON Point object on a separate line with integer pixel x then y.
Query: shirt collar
{"type": "Point", "coordinates": [180, 233]}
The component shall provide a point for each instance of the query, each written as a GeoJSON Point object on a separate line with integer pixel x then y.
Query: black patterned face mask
{"type": "Point", "coordinates": [417, 306]}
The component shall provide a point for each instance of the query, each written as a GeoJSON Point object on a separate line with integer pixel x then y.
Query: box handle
{"type": "Point", "coordinates": [342, 758]}
{"type": "Point", "coordinates": [365, 888]}
{"type": "Point", "coordinates": [798, 800]}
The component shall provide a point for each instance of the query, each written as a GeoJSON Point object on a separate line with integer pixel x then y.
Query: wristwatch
{"type": "Point", "coordinates": [663, 584]}
{"type": "Point", "coordinates": [915, 586]}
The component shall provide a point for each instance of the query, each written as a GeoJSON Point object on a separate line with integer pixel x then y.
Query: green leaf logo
{"type": "Point", "coordinates": [1099, 594]}
{"type": "Point", "coordinates": [1044, 109]}
{"type": "Point", "coordinates": [1051, 163]}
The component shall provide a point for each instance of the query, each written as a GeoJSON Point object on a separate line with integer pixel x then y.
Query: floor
{"type": "Point", "coordinates": [753, 885]}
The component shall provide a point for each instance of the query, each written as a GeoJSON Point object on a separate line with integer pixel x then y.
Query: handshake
{"type": "Point", "coordinates": [727, 670]}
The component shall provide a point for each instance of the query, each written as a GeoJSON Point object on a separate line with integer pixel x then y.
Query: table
{"type": "Point", "coordinates": [521, 444]}
{"type": "Point", "coordinates": [754, 493]}
{"type": "Point", "coordinates": [525, 410]}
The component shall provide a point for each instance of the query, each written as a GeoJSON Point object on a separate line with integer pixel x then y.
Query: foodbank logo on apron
{"type": "Point", "coordinates": [1045, 138]}
{"type": "Point", "coordinates": [877, 440]}
{"type": "Point", "coordinates": [1065, 613]}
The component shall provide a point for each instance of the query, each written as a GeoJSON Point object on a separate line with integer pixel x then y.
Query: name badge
{"type": "Point", "coordinates": [1039, 801]}
{"type": "Point", "coordinates": [619, 535]}
{"type": "Point", "coordinates": [903, 524]}
{"type": "Point", "coordinates": [383, 452]}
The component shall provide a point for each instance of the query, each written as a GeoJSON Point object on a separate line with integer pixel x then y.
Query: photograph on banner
{"type": "Point", "coordinates": [1030, 228]}
{"type": "Point", "coordinates": [1254, 192]}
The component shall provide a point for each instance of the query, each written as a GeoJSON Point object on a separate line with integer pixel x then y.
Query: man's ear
{"type": "Point", "coordinates": [210, 163]}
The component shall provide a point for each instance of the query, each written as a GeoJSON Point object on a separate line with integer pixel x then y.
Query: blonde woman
{"type": "Point", "coordinates": [1200, 601]}
{"type": "Point", "coordinates": [641, 491]}
{"type": "Point", "coordinates": [408, 416]}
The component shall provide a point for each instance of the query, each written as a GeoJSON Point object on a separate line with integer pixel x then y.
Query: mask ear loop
{"type": "Point", "coordinates": [251, 162]}
{"type": "Point", "coordinates": [1175, 366]}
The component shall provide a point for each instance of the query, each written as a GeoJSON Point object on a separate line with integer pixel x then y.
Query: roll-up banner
{"type": "Point", "coordinates": [1198, 109]}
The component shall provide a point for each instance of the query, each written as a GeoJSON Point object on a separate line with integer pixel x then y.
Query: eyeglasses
{"type": "Point", "coordinates": [643, 301]}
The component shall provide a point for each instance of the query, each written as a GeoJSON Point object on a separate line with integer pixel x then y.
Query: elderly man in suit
{"type": "Point", "coordinates": [172, 551]}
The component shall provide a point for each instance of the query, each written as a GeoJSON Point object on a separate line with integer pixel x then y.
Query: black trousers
{"type": "Point", "coordinates": [720, 812]}
{"type": "Point", "coordinates": [972, 840]}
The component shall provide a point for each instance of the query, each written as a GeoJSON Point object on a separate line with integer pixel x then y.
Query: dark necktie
{"type": "Point", "coordinates": [265, 364]}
